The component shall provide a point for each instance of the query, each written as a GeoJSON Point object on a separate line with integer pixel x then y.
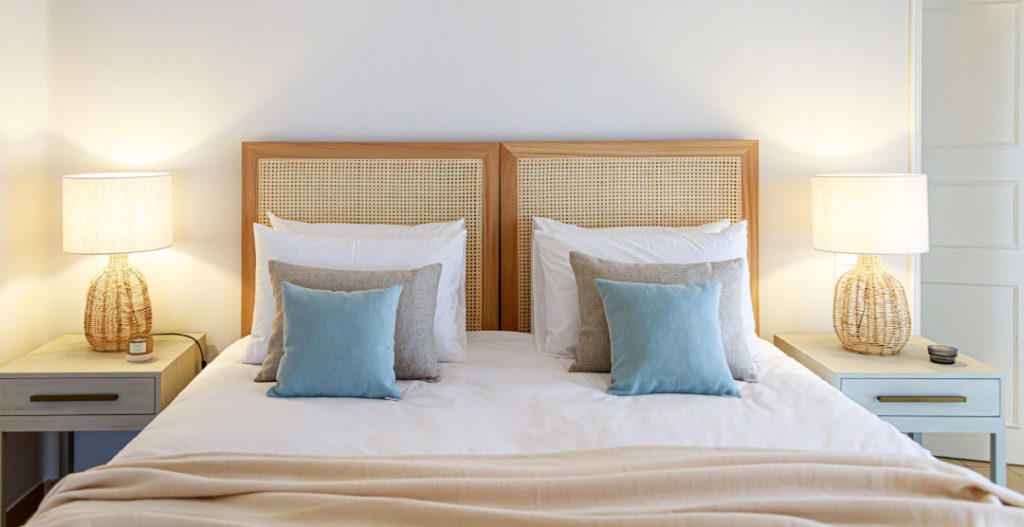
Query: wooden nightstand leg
{"type": "Point", "coordinates": [3, 497]}
{"type": "Point", "coordinates": [997, 454]}
{"type": "Point", "coordinates": [67, 453]}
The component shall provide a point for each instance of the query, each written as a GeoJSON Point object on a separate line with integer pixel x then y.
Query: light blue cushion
{"type": "Point", "coordinates": [665, 338]}
{"type": "Point", "coordinates": [338, 344]}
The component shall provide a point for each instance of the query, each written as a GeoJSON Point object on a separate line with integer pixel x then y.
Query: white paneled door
{"type": "Point", "coordinates": [971, 128]}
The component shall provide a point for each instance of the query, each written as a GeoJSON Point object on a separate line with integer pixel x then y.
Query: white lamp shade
{"type": "Point", "coordinates": [870, 213]}
{"type": "Point", "coordinates": [117, 212]}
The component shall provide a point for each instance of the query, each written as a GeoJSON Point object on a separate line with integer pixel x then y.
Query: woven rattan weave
{"type": "Point", "coordinates": [393, 191]}
{"type": "Point", "coordinates": [870, 313]}
{"type": "Point", "coordinates": [621, 191]}
{"type": "Point", "coordinates": [117, 307]}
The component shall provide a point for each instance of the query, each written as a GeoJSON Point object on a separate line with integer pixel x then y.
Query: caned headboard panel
{"type": "Point", "coordinates": [606, 184]}
{"type": "Point", "coordinates": [396, 183]}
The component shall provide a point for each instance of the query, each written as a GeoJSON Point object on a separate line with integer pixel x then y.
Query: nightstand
{"type": "Point", "coordinates": [64, 386]}
{"type": "Point", "coordinates": [911, 392]}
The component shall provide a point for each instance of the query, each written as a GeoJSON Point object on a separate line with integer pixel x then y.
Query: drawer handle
{"type": "Point", "coordinates": [73, 397]}
{"type": "Point", "coordinates": [922, 399]}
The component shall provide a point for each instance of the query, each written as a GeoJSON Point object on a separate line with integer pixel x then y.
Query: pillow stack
{"type": "Point", "coordinates": [571, 309]}
{"type": "Point", "coordinates": [415, 356]}
{"type": "Point", "coordinates": [349, 272]}
{"type": "Point", "coordinates": [593, 352]}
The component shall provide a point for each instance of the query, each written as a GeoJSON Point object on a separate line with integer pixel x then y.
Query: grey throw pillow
{"type": "Point", "coordinates": [415, 356]}
{"type": "Point", "coordinates": [594, 351]}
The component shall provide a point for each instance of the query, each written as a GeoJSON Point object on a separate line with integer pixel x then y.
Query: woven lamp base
{"type": "Point", "coordinates": [117, 307]}
{"type": "Point", "coordinates": [870, 313]}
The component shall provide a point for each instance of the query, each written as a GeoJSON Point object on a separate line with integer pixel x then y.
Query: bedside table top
{"type": "Point", "coordinates": [825, 350]}
{"type": "Point", "coordinates": [71, 355]}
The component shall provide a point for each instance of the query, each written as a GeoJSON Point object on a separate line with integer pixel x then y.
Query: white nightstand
{"type": "Point", "coordinates": [911, 392]}
{"type": "Point", "coordinates": [64, 386]}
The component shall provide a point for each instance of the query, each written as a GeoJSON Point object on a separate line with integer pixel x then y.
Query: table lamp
{"type": "Point", "coordinates": [870, 215]}
{"type": "Point", "coordinates": [116, 214]}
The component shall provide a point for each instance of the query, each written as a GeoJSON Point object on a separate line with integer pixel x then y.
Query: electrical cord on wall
{"type": "Point", "coordinates": [202, 353]}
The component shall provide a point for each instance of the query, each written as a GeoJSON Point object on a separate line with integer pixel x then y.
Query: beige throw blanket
{"type": "Point", "coordinates": [631, 486]}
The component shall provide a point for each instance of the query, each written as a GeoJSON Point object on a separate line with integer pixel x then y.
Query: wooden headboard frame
{"type": "Point", "coordinates": [485, 153]}
{"type": "Point", "coordinates": [666, 183]}
{"type": "Point", "coordinates": [500, 303]}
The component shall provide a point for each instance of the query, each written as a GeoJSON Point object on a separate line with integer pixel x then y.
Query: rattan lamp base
{"type": "Point", "coordinates": [870, 313]}
{"type": "Point", "coordinates": [117, 307]}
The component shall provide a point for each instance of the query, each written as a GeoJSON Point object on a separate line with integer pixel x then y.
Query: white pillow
{"type": "Point", "coordinates": [369, 254]}
{"type": "Point", "coordinates": [379, 230]}
{"type": "Point", "coordinates": [557, 227]}
{"type": "Point", "coordinates": [366, 230]}
{"type": "Point", "coordinates": [537, 288]}
{"type": "Point", "coordinates": [559, 332]}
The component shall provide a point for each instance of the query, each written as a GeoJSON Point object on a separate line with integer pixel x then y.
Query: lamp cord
{"type": "Point", "coordinates": [202, 353]}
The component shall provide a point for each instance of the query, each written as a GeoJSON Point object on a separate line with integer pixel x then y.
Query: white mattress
{"type": "Point", "coordinates": [509, 398]}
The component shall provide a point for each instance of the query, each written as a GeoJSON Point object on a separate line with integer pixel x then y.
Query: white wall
{"type": "Point", "coordinates": [25, 242]}
{"type": "Point", "coordinates": [178, 85]}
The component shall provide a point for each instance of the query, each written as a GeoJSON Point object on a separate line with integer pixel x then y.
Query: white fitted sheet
{"type": "Point", "coordinates": [507, 399]}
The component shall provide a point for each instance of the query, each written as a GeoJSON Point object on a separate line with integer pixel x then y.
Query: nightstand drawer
{"type": "Point", "coordinates": [926, 397]}
{"type": "Point", "coordinates": [78, 396]}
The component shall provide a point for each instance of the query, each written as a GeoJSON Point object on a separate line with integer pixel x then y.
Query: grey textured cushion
{"type": "Point", "coordinates": [593, 353]}
{"type": "Point", "coordinates": [415, 356]}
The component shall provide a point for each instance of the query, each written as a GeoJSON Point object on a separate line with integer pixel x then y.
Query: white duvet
{"type": "Point", "coordinates": [508, 398]}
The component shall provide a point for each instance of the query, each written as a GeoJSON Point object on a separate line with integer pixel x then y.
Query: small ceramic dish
{"type": "Point", "coordinates": [942, 354]}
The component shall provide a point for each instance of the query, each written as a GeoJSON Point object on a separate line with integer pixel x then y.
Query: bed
{"type": "Point", "coordinates": [510, 399]}
{"type": "Point", "coordinates": [510, 436]}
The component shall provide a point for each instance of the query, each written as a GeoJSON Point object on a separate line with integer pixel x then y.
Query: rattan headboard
{"type": "Point", "coordinates": [592, 184]}
{"type": "Point", "coordinates": [604, 184]}
{"type": "Point", "coordinates": [398, 183]}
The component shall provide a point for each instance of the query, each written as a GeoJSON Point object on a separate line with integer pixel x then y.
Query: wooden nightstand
{"type": "Point", "coordinates": [64, 386]}
{"type": "Point", "coordinates": [911, 392]}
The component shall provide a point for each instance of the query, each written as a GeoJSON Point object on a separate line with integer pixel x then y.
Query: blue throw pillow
{"type": "Point", "coordinates": [337, 343]}
{"type": "Point", "coordinates": [665, 338]}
